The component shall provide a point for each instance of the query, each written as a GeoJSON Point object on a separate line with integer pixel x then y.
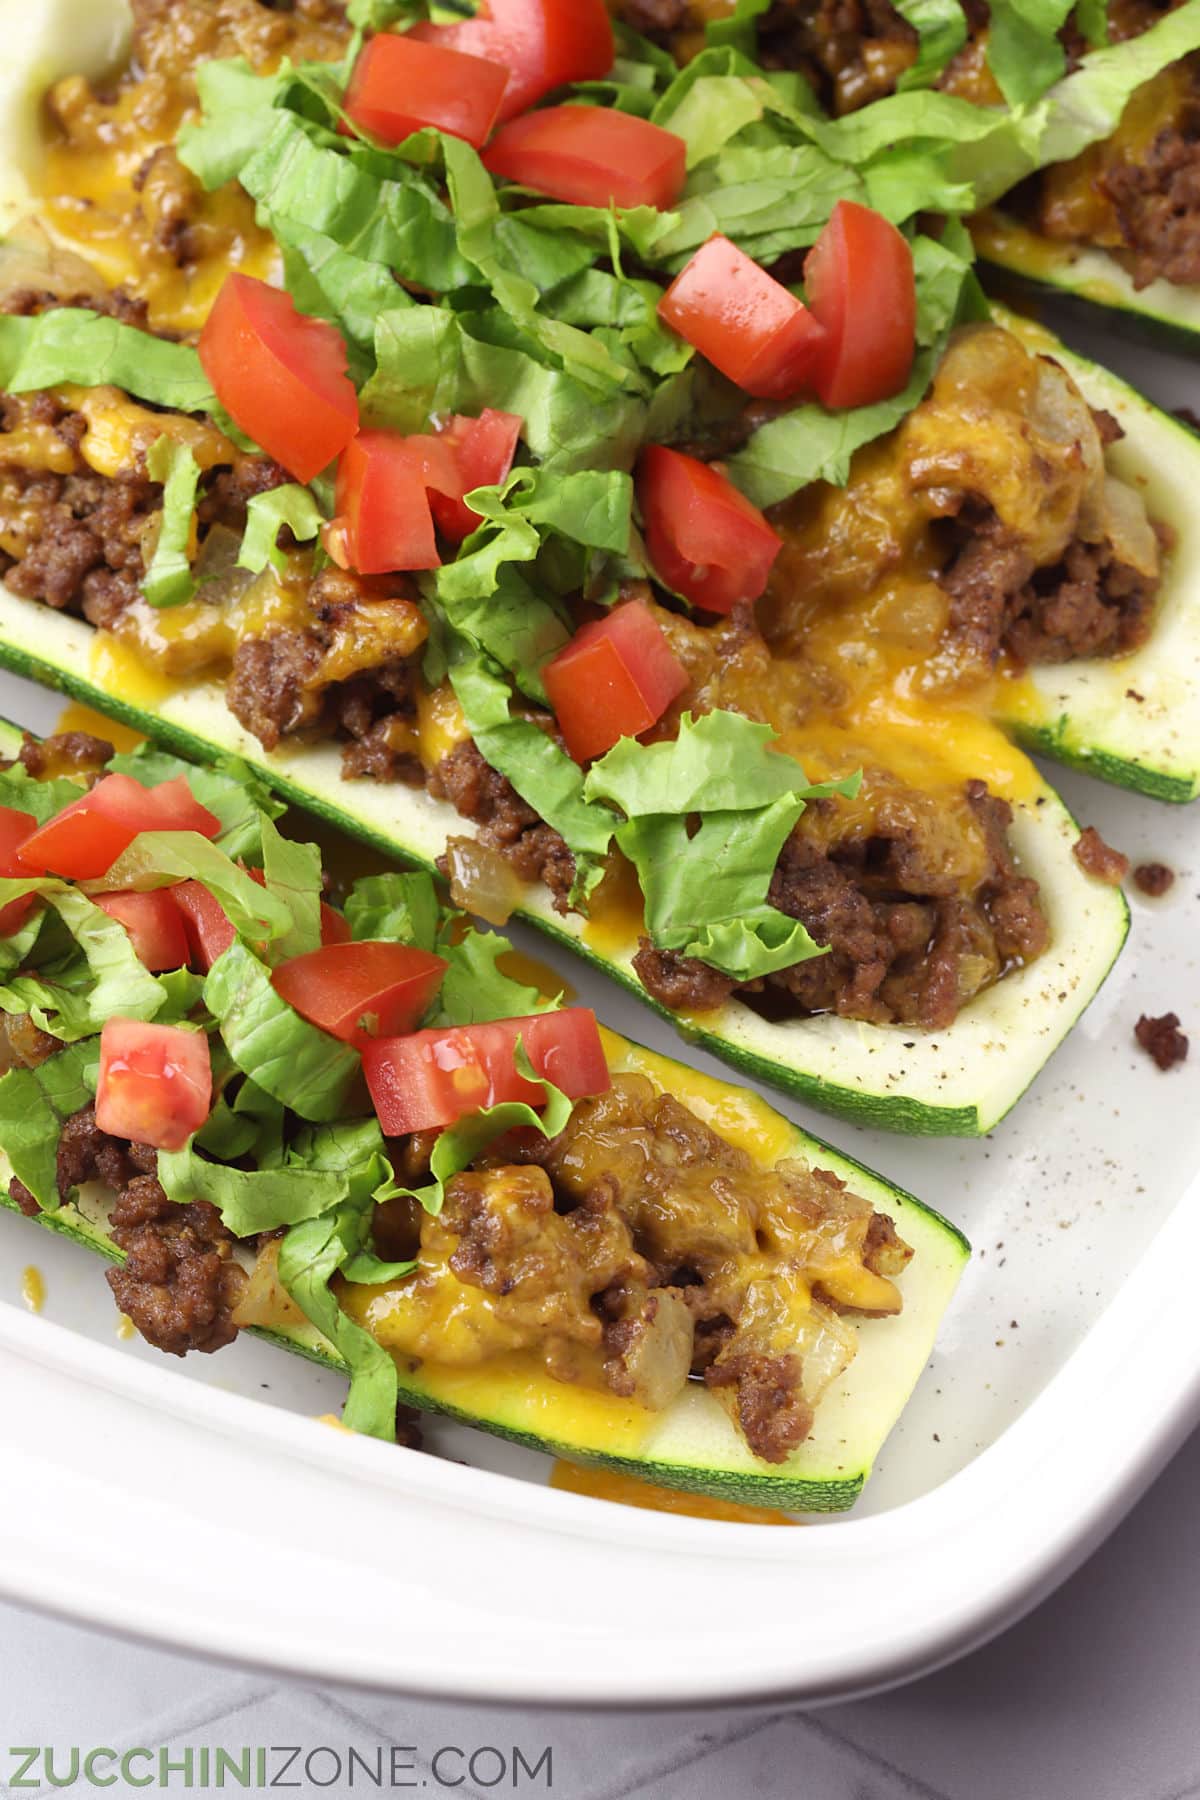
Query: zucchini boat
{"type": "Point", "coordinates": [958, 1082]}
{"type": "Point", "coordinates": [497, 1382]}
{"type": "Point", "coordinates": [1131, 720]}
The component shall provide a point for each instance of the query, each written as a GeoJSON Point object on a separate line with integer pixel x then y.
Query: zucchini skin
{"type": "Point", "coordinates": [1154, 323]}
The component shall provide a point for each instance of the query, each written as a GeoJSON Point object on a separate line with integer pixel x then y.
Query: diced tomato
{"type": "Point", "coordinates": [154, 923]}
{"type": "Point", "coordinates": [383, 505]}
{"type": "Point", "coordinates": [334, 928]}
{"type": "Point", "coordinates": [615, 679]}
{"type": "Point", "coordinates": [15, 829]}
{"type": "Point", "coordinates": [84, 840]}
{"type": "Point", "coordinates": [357, 992]}
{"type": "Point", "coordinates": [206, 923]}
{"type": "Point", "coordinates": [591, 156]}
{"type": "Point", "coordinates": [432, 1078]}
{"type": "Point", "coordinates": [543, 43]}
{"type": "Point", "coordinates": [483, 449]}
{"type": "Point", "coordinates": [155, 1084]}
{"type": "Point", "coordinates": [704, 537]}
{"type": "Point", "coordinates": [210, 930]}
{"type": "Point", "coordinates": [281, 375]}
{"type": "Point", "coordinates": [861, 287]}
{"type": "Point", "coordinates": [744, 321]}
{"type": "Point", "coordinates": [401, 84]}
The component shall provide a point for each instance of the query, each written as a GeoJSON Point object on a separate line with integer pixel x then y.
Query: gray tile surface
{"type": "Point", "coordinates": [1095, 1697]}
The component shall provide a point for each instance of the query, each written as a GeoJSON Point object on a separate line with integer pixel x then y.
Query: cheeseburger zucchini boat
{"type": "Point", "coordinates": [349, 1128]}
{"type": "Point", "coordinates": [1096, 183]}
{"type": "Point", "coordinates": [759, 768]}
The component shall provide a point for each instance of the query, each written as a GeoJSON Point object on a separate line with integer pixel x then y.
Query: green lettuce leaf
{"type": "Point", "coordinates": [237, 116]}
{"type": "Point", "coordinates": [705, 889]}
{"type": "Point", "coordinates": [42, 799]}
{"type": "Point", "coordinates": [250, 1201]}
{"type": "Point", "coordinates": [306, 1069]}
{"type": "Point", "coordinates": [476, 990]}
{"type": "Point", "coordinates": [75, 345]}
{"type": "Point", "coordinates": [249, 1125]}
{"type": "Point", "coordinates": [373, 206]}
{"type": "Point", "coordinates": [395, 908]}
{"type": "Point", "coordinates": [313, 1253]}
{"type": "Point", "coordinates": [266, 516]}
{"type": "Point", "coordinates": [101, 979]}
{"type": "Point", "coordinates": [309, 1258]}
{"type": "Point", "coordinates": [1023, 51]}
{"type": "Point", "coordinates": [168, 580]}
{"type": "Point", "coordinates": [941, 28]}
{"type": "Point", "coordinates": [293, 875]}
{"type": "Point", "coordinates": [34, 1105]}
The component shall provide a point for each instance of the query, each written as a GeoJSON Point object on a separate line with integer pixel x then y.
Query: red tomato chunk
{"type": "Point", "coordinates": [400, 85]}
{"type": "Point", "coordinates": [382, 501]}
{"type": "Point", "coordinates": [591, 156]}
{"type": "Point", "coordinates": [860, 284]}
{"type": "Point", "coordinates": [483, 450]}
{"type": "Point", "coordinates": [84, 840]}
{"type": "Point", "coordinates": [357, 992]}
{"type": "Point", "coordinates": [543, 43]}
{"type": "Point", "coordinates": [210, 930]}
{"type": "Point", "coordinates": [428, 1080]}
{"type": "Point", "coordinates": [705, 539]}
{"type": "Point", "coordinates": [615, 679]}
{"type": "Point", "coordinates": [15, 829]}
{"type": "Point", "coordinates": [745, 322]}
{"type": "Point", "coordinates": [280, 375]}
{"type": "Point", "coordinates": [155, 1084]}
{"type": "Point", "coordinates": [155, 926]}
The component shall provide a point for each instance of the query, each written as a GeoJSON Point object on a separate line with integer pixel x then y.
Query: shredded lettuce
{"type": "Point", "coordinates": [34, 1105]}
{"type": "Point", "coordinates": [249, 1125]}
{"type": "Point", "coordinates": [41, 799]}
{"type": "Point", "coordinates": [293, 877]}
{"type": "Point", "coordinates": [266, 516]}
{"type": "Point", "coordinates": [101, 978]}
{"type": "Point", "coordinates": [168, 580]}
{"type": "Point", "coordinates": [477, 990]}
{"type": "Point", "coordinates": [72, 344]}
{"type": "Point", "coordinates": [941, 28]}
{"type": "Point", "coordinates": [250, 1201]}
{"type": "Point", "coordinates": [306, 1069]}
{"type": "Point", "coordinates": [314, 1251]}
{"type": "Point", "coordinates": [237, 114]}
{"type": "Point", "coordinates": [403, 908]}
{"type": "Point", "coordinates": [705, 889]}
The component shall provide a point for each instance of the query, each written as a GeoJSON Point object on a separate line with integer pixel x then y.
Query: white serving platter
{"type": "Point", "coordinates": [201, 1504]}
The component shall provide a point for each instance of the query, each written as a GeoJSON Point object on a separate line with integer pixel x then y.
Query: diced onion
{"type": "Point", "coordinates": [482, 881]}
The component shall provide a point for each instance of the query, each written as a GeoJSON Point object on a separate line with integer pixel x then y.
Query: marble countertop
{"type": "Point", "coordinates": [1093, 1697]}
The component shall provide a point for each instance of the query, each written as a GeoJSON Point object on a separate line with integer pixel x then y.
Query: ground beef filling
{"type": "Point", "coordinates": [640, 1250]}
{"type": "Point", "coordinates": [179, 1283]}
{"type": "Point", "coordinates": [907, 942]}
{"type": "Point", "coordinates": [507, 823]}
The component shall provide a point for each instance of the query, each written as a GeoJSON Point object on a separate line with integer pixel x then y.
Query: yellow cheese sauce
{"type": "Point", "coordinates": [33, 1289]}
{"type": "Point", "coordinates": [77, 717]}
{"type": "Point", "coordinates": [625, 1490]}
